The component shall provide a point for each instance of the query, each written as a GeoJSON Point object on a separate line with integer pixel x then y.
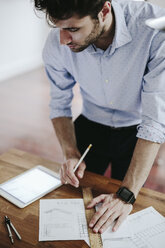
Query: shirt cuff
{"type": "Point", "coordinates": [60, 113]}
{"type": "Point", "coordinates": [150, 133]}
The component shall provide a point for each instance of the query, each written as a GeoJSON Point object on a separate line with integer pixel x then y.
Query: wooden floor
{"type": "Point", "coordinates": [25, 124]}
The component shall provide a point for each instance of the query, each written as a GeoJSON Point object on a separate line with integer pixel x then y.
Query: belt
{"type": "Point", "coordinates": [123, 128]}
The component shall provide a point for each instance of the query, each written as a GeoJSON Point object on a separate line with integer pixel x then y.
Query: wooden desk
{"type": "Point", "coordinates": [26, 220]}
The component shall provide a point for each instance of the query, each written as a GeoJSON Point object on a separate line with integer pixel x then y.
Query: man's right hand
{"type": "Point", "coordinates": [67, 173]}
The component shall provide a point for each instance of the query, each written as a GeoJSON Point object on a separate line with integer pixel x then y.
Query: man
{"type": "Point", "coordinates": [120, 66]}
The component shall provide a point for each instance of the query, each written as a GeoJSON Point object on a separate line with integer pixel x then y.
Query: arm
{"type": "Point", "coordinates": [65, 132]}
{"type": "Point", "coordinates": [113, 208]}
{"type": "Point", "coordinates": [143, 158]}
{"type": "Point", "coordinates": [61, 84]}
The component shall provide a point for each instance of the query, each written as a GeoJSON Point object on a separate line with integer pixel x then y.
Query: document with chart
{"type": "Point", "coordinates": [62, 219]}
{"type": "Point", "coordinates": [148, 228]}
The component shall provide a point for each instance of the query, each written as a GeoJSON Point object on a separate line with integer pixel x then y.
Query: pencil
{"type": "Point", "coordinates": [82, 157]}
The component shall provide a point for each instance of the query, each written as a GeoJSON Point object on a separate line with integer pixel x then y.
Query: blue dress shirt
{"type": "Point", "coordinates": [121, 86]}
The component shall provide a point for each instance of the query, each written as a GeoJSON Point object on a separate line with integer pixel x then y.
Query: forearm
{"type": "Point", "coordinates": [116, 209]}
{"type": "Point", "coordinates": [64, 129]}
{"type": "Point", "coordinates": [143, 158]}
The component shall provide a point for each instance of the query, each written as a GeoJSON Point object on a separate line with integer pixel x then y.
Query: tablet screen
{"type": "Point", "coordinates": [30, 185]}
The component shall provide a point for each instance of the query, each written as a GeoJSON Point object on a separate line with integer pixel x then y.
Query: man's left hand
{"type": "Point", "coordinates": [112, 209]}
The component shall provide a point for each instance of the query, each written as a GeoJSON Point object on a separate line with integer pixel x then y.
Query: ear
{"type": "Point", "coordinates": [105, 10]}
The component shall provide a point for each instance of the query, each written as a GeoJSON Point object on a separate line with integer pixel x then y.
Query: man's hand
{"type": "Point", "coordinates": [67, 172]}
{"type": "Point", "coordinates": [112, 208]}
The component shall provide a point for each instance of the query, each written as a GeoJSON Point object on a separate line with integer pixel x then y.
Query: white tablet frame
{"type": "Point", "coordinates": [18, 202]}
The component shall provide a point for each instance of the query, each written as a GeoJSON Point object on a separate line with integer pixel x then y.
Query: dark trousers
{"type": "Point", "coordinates": [109, 145]}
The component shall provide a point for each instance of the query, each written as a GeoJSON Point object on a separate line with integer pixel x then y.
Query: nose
{"type": "Point", "coordinates": [65, 37]}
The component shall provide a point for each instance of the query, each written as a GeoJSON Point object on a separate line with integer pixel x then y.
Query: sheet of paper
{"type": "Point", "coordinates": [148, 228]}
{"type": "Point", "coordinates": [144, 219]}
{"type": "Point", "coordinates": [62, 219]}
{"type": "Point", "coordinates": [120, 243]}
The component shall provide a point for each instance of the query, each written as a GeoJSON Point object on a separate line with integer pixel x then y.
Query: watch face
{"type": "Point", "coordinates": [126, 194]}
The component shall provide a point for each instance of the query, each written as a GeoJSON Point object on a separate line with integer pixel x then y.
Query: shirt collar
{"type": "Point", "coordinates": [122, 34]}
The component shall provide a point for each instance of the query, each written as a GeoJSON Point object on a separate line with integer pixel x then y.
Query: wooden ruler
{"type": "Point", "coordinates": [94, 238]}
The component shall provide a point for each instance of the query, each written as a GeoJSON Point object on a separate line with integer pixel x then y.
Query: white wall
{"type": "Point", "coordinates": [158, 2]}
{"type": "Point", "coordinates": [161, 3]}
{"type": "Point", "coordinates": [22, 35]}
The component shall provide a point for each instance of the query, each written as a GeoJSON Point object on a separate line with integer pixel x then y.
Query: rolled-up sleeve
{"type": "Point", "coordinates": [61, 81]}
{"type": "Point", "coordinates": [152, 127]}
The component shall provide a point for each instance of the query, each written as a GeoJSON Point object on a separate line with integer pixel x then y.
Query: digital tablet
{"type": "Point", "coordinates": [30, 186]}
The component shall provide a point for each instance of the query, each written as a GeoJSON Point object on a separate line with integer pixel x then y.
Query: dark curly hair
{"type": "Point", "coordinates": [64, 9]}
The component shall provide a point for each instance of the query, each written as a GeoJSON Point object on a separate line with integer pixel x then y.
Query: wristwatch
{"type": "Point", "coordinates": [126, 195]}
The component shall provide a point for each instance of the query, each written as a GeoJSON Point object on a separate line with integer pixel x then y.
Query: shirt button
{"type": "Point", "coordinates": [106, 80]}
